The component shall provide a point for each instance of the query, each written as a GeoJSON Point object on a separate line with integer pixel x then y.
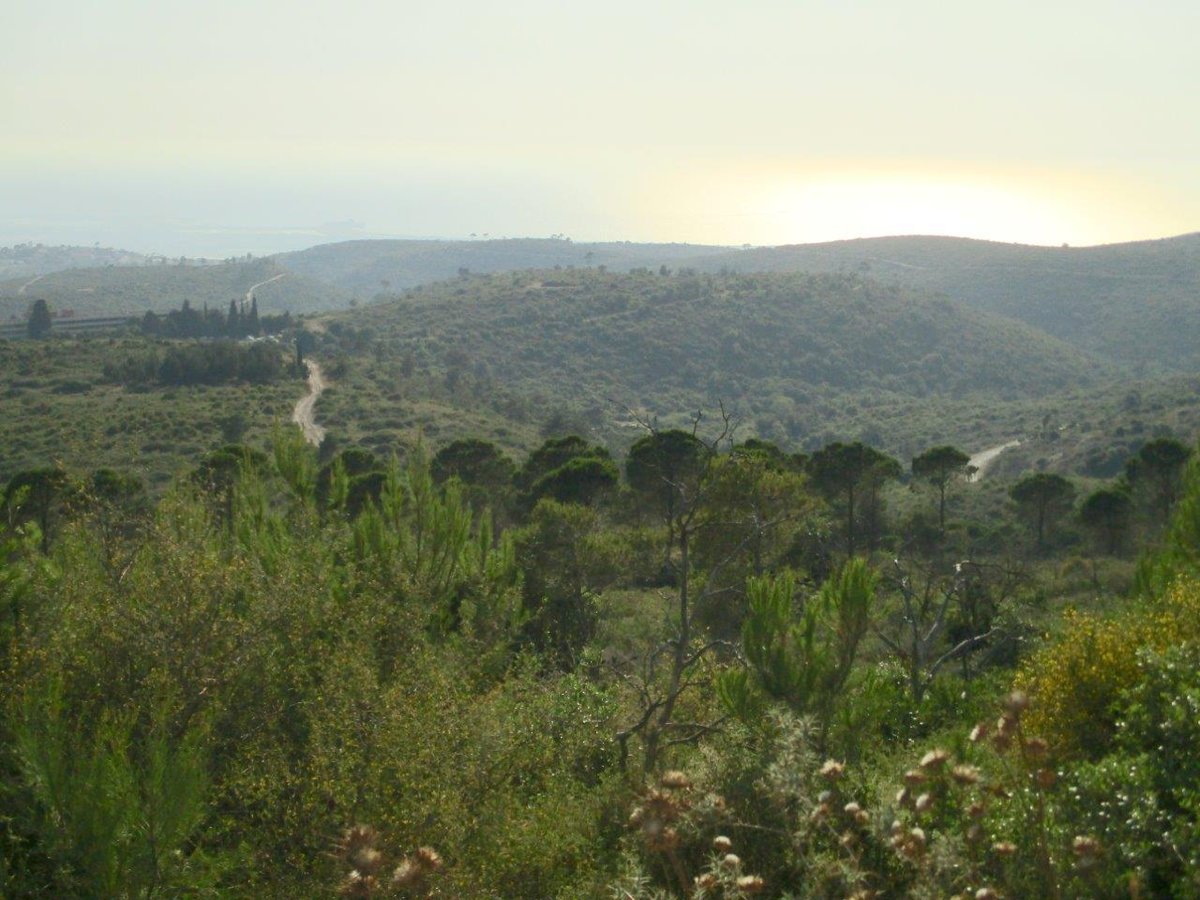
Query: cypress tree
{"type": "Point", "coordinates": [39, 320]}
{"type": "Point", "coordinates": [233, 324]}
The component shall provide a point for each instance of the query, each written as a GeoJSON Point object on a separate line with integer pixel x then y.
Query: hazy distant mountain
{"type": "Point", "coordinates": [1137, 304]}
{"type": "Point", "coordinates": [31, 260]}
{"type": "Point", "coordinates": [134, 289]}
{"type": "Point", "coordinates": [372, 267]}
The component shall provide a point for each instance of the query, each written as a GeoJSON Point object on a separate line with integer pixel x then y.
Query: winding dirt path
{"type": "Point", "coordinates": [34, 280]}
{"type": "Point", "coordinates": [255, 287]}
{"type": "Point", "coordinates": [303, 414]}
{"type": "Point", "coordinates": [985, 458]}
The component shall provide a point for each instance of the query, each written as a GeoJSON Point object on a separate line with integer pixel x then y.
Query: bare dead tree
{"type": "Point", "coordinates": [677, 665]}
{"type": "Point", "coordinates": [919, 633]}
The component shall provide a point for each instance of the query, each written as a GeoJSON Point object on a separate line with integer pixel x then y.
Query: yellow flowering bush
{"type": "Point", "coordinates": [1077, 678]}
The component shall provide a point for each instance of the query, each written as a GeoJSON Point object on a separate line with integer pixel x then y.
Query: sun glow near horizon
{"type": "Point", "coordinates": [775, 205]}
{"type": "Point", "coordinates": [880, 205]}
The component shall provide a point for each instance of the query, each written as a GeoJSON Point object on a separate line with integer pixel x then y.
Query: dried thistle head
{"type": "Point", "coordinates": [979, 732]}
{"type": "Point", "coordinates": [1004, 848]}
{"type": "Point", "coordinates": [675, 780]}
{"type": "Point", "coordinates": [731, 860]}
{"type": "Point", "coordinates": [357, 850]}
{"type": "Point", "coordinates": [415, 868]}
{"type": "Point", "coordinates": [358, 884]}
{"type": "Point", "coordinates": [663, 805]}
{"type": "Point", "coordinates": [832, 769]}
{"type": "Point", "coordinates": [722, 844]}
{"type": "Point", "coordinates": [1003, 736]}
{"type": "Point", "coordinates": [910, 845]}
{"type": "Point", "coordinates": [407, 874]}
{"type": "Point", "coordinates": [667, 839]}
{"type": "Point", "coordinates": [355, 839]}
{"type": "Point", "coordinates": [1016, 703]}
{"type": "Point", "coordinates": [652, 829]}
{"type": "Point", "coordinates": [924, 803]}
{"type": "Point", "coordinates": [751, 884]}
{"type": "Point", "coordinates": [964, 774]}
{"type": "Point", "coordinates": [429, 859]}
{"type": "Point", "coordinates": [934, 760]}
{"type": "Point", "coordinates": [366, 860]}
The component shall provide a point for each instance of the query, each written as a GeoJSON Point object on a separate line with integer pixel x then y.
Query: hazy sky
{"type": "Point", "coordinates": [220, 127]}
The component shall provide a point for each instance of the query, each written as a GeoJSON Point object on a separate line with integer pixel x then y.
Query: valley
{"type": "Point", "coordinates": [515, 557]}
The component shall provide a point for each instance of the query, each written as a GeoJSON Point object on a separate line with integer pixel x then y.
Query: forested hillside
{"type": "Point", "coordinates": [1136, 304]}
{"type": "Point", "coordinates": [1132, 304]}
{"type": "Point", "coordinates": [773, 347]}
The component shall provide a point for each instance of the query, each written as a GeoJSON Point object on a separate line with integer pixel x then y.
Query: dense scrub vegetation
{"type": "Point", "coordinates": [510, 356]}
{"type": "Point", "coordinates": [653, 339]}
{"type": "Point", "coordinates": [1131, 304]}
{"type": "Point", "coordinates": [710, 668]}
{"type": "Point", "coordinates": [219, 362]}
{"type": "Point", "coordinates": [241, 321]}
{"type": "Point", "coordinates": [61, 406]}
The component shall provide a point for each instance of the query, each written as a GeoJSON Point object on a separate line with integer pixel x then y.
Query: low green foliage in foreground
{"type": "Point", "coordinates": [292, 679]}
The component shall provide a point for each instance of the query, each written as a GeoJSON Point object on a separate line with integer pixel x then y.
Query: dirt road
{"type": "Point", "coordinates": [303, 414]}
{"type": "Point", "coordinates": [255, 287]}
{"type": "Point", "coordinates": [984, 458]}
{"type": "Point", "coordinates": [34, 280]}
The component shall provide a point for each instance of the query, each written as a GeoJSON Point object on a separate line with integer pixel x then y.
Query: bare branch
{"type": "Point", "coordinates": [961, 648]}
{"type": "Point", "coordinates": [699, 731]}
